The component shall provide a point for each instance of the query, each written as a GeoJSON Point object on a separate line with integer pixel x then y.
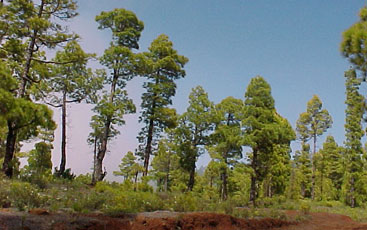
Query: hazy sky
{"type": "Point", "coordinates": [293, 44]}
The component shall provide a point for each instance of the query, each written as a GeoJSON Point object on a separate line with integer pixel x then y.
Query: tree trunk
{"type": "Point", "coordinates": [98, 173]}
{"type": "Point", "coordinates": [224, 189]}
{"type": "Point", "coordinates": [269, 190]}
{"type": "Point", "coordinates": [190, 186]}
{"type": "Point", "coordinates": [351, 192]}
{"type": "Point", "coordinates": [321, 185]}
{"type": "Point", "coordinates": [253, 178]}
{"type": "Point", "coordinates": [63, 136]}
{"type": "Point", "coordinates": [224, 193]}
{"type": "Point", "coordinates": [9, 149]}
{"type": "Point", "coordinates": [94, 159]}
{"type": "Point", "coordinates": [303, 190]}
{"type": "Point", "coordinates": [167, 173]}
{"type": "Point", "coordinates": [136, 181]}
{"type": "Point", "coordinates": [148, 149]}
{"type": "Point", "coordinates": [313, 169]}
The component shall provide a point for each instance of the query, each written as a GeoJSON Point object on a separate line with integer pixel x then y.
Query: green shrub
{"type": "Point", "coordinates": [89, 202]}
{"type": "Point", "coordinates": [266, 202]}
{"type": "Point", "coordinates": [85, 179]}
{"type": "Point", "coordinates": [121, 199]}
{"type": "Point", "coordinates": [67, 174]}
{"type": "Point", "coordinates": [305, 207]}
{"type": "Point", "coordinates": [290, 205]}
{"type": "Point", "coordinates": [24, 195]}
{"type": "Point", "coordinates": [241, 213]}
{"type": "Point", "coordinates": [4, 192]}
{"type": "Point", "coordinates": [41, 180]}
{"type": "Point", "coordinates": [185, 202]}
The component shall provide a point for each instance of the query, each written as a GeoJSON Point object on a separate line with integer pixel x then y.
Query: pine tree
{"type": "Point", "coordinates": [165, 163]}
{"type": "Point", "coordinates": [279, 169]}
{"type": "Point", "coordinates": [161, 66]}
{"type": "Point", "coordinates": [353, 44]}
{"type": "Point", "coordinates": [119, 58]}
{"type": "Point", "coordinates": [262, 131]}
{"type": "Point", "coordinates": [329, 166]}
{"type": "Point", "coordinates": [71, 83]}
{"type": "Point", "coordinates": [354, 132]}
{"type": "Point", "coordinates": [192, 132]}
{"type": "Point", "coordinates": [312, 124]}
{"type": "Point", "coordinates": [27, 118]}
{"type": "Point", "coordinates": [226, 140]}
{"type": "Point", "coordinates": [39, 160]}
{"type": "Point", "coordinates": [304, 169]}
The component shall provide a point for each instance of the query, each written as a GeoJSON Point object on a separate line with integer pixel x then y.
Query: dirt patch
{"type": "Point", "coordinates": [204, 221]}
{"type": "Point", "coordinates": [10, 220]}
{"type": "Point", "coordinates": [326, 221]}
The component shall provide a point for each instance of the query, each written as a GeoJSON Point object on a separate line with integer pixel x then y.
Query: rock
{"type": "Point", "coordinates": [38, 211]}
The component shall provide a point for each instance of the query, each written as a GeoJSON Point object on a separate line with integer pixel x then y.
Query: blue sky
{"type": "Point", "coordinates": [293, 44]}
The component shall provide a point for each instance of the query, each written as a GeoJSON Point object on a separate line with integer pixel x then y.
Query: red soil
{"type": "Point", "coordinates": [327, 221]}
{"type": "Point", "coordinates": [169, 221]}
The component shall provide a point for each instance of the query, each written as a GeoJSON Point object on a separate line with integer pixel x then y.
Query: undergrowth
{"type": "Point", "coordinates": [115, 198]}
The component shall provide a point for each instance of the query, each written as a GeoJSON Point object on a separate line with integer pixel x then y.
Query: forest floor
{"type": "Point", "coordinates": [39, 219]}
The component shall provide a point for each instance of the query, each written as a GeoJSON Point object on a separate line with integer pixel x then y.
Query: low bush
{"type": "Point", "coordinates": [133, 202]}
{"type": "Point", "coordinates": [24, 195]}
{"type": "Point", "coordinates": [184, 202]}
{"type": "Point", "coordinates": [86, 202]}
{"type": "Point", "coordinates": [4, 193]}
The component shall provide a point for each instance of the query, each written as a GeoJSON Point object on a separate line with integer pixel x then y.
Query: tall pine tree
{"type": "Point", "coordinates": [312, 124]}
{"type": "Point", "coordinates": [161, 66]}
{"type": "Point", "coordinates": [354, 132]}
{"type": "Point", "coordinates": [119, 58]}
{"type": "Point", "coordinates": [263, 131]}
{"type": "Point", "coordinates": [194, 127]}
{"type": "Point", "coordinates": [225, 146]}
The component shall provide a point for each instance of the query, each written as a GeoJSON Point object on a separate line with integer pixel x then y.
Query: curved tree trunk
{"type": "Point", "coordinates": [98, 173]}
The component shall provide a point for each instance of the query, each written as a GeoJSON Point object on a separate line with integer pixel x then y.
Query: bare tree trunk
{"type": "Point", "coordinates": [351, 192]}
{"type": "Point", "coordinates": [270, 191]}
{"type": "Point", "coordinates": [224, 193]}
{"type": "Point", "coordinates": [94, 159]}
{"type": "Point", "coordinates": [191, 184]}
{"type": "Point", "coordinates": [63, 136]}
{"type": "Point", "coordinates": [148, 149]}
{"type": "Point", "coordinates": [321, 185]}
{"type": "Point", "coordinates": [253, 192]}
{"type": "Point", "coordinates": [98, 173]}
{"type": "Point", "coordinates": [9, 149]}
{"type": "Point", "coordinates": [313, 168]}
{"type": "Point", "coordinates": [168, 172]}
{"type": "Point", "coordinates": [303, 190]}
{"type": "Point", "coordinates": [136, 181]}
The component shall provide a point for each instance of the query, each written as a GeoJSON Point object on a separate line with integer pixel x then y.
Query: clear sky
{"type": "Point", "coordinates": [293, 44]}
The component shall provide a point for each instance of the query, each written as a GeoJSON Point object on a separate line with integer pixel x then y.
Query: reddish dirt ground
{"type": "Point", "coordinates": [168, 221]}
{"type": "Point", "coordinates": [326, 221]}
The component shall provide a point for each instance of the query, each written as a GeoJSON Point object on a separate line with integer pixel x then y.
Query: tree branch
{"type": "Point", "coordinates": [53, 105]}
{"type": "Point", "coordinates": [53, 62]}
